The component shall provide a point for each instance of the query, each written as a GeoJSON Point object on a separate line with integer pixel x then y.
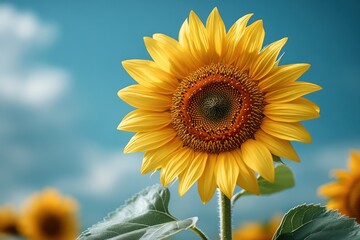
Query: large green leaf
{"type": "Point", "coordinates": [145, 217]}
{"type": "Point", "coordinates": [284, 179]}
{"type": "Point", "coordinates": [313, 222]}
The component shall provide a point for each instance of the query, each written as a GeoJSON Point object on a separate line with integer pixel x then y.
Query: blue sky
{"type": "Point", "coordinates": [60, 72]}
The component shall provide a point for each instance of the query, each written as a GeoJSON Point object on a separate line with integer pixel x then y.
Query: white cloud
{"type": "Point", "coordinates": [105, 172]}
{"type": "Point", "coordinates": [21, 35]}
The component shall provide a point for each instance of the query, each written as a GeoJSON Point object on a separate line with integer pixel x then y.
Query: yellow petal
{"type": "Point", "coordinates": [207, 183]}
{"type": "Point", "coordinates": [183, 34]}
{"type": "Point", "coordinates": [291, 92]}
{"type": "Point", "coordinates": [226, 172]}
{"type": "Point", "coordinates": [278, 147]}
{"type": "Point", "coordinates": [193, 172]}
{"type": "Point", "coordinates": [354, 162]}
{"type": "Point", "coordinates": [307, 102]}
{"type": "Point", "coordinates": [217, 33]}
{"type": "Point", "coordinates": [290, 112]}
{"type": "Point", "coordinates": [233, 37]}
{"type": "Point", "coordinates": [179, 161]}
{"type": "Point", "coordinates": [155, 159]}
{"type": "Point", "coordinates": [332, 190]}
{"type": "Point", "coordinates": [144, 121]}
{"type": "Point", "coordinates": [198, 38]}
{"type": "Point", "coordinates": [341, 175]}
{"type": "Point", "coordinates": [145, 141]}
{"type": "Point", "coordinates": [258, 157]}
{"type": "Point", "coordinates": [247, 178]}
{"type": "Point", "coordinates": [168, 54]}
{"type": "Point", "coordinates": [149, 75]}
{"type": "Point", "coordinates": [286, 131]}
{"type": "Point", "coordinates": [250, 44]}
{"type": "Point", "coordinates": [266, 60]}
{"type": "Point", "coordinates": [139, 97]}
{"type": "Point", "coordinates": [333, 204]}
{"type": "Point", "coordinates": [282, 76]}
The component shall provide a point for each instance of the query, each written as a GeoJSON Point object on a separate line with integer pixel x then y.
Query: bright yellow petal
{"type": "Point", "coordinates": [193, 172]}
{"type": "Point", "coordinates": [217, 33]}
{"type": "Point", "coordinates": [145, 141]}
{"type": "Point", "coordinates": [207, 183]}
{"type": "Point", "coordinates": [247, 178]}
{"type": "Point", "coordinates": [278, 147]}
{"type": "Point", "coordinates": [183, 34]}
{"type": "Point", "coordinates": [305, 101]}
{"type": "Point", "coordinates": [168, 54]}
{"type": "Point", "coordinates": [258, 157]}
{"type": "Point", "coordinates": [286, 131]}
{"type": "Point", "coordinates": [332, 190]}
{"type": "Point", "coordinates": [149, 75]}
{"type": "Point", "coordinates": [233, 37]}
{"type": "Point", "coordinates": [354, 162]}
{"type": "Point", "coordinates": [250, 44]}
{"type": "Point", "coordinates": [139, 97]}
{"type": "Point", "coordinates": [144, 121]}
{"type": "Point", "coordinates": [290, 112]}
{"type": "Point", "coordinates": [342, 175]}
{"type": "Point", "coordinates": [226, 172]}
{"type": "Point", "coordinates": [179, 161]}
{"type": "Point", "coordinates": [198, 39]}
{"type": "Point", "coordinates": [155, 159]}
{"type": "Point", "coordinates": [266, 60]}
{"type": "Point", "coordinates": [282, 76]}
{"type": "Point", "coordinates": [291, 92]}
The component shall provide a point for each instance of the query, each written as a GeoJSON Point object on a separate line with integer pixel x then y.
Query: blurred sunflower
{"type": "Point", "coordinates": [8, 221]}
{"type": "Point", "coordinates": [344, 193]}
{"type": "Point", "coordinates": [214, 106]}
{"type": "Point", "coordinates": [257, 231]}
{"type": "Point", "coordinates": [50, 216]}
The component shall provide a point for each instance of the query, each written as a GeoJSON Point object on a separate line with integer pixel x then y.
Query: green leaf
{"type": "Point", "coordinates": [145, 217]}
{"type": "Point", "coordinates": [313, 222]}
{"type": "Point", "coordinates": [284, 179]}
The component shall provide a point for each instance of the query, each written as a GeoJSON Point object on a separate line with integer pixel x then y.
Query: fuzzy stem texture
{"type": "Point", "coordinates": [225, 216]}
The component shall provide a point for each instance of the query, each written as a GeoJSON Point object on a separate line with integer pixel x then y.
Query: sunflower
{"type": "Point", "coordinates": [213, 106]}
{"type": "Point", "coordinates": [50, 216]}
{"type": "Point", "coordinates": [8, 221]}
{"type": "Point", "coordinates": [257, 231]}
{"type": "Point", "coordinates": [344, 193]}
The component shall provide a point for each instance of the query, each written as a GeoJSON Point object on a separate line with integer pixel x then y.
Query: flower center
{"type": "Point", "coordinates": [354, 200]}
{"type": "Point", "coordinates": [51, 225]}
{"type": "Point", "coordinates": [217, 108]}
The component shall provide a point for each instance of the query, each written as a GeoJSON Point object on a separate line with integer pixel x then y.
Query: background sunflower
{"type": "Point", "coordinates": [9, 221]}
{"type": "Point", "coordinates": [257, 230]}
{"type": "Point", "coordinates": [49, 216]}
{"type": "Point", "coordinates": [344, 193]}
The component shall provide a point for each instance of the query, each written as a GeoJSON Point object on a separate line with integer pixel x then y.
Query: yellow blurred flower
{"type": "Point", "coordinates": [214, 105]}
{"type": "Point", "coordinates": [344, 193]}
{"type": "Point", "coordinates": [8, 221]}
{"type": "Point", "coordinates": [50, 216]}
{"type": "Point", "coordinates": [257, 231]}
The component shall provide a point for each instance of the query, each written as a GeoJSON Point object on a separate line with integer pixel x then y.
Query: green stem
{"type": "Point", "coordinates": [236, 197]}
{"type": "Point", "coordinates": [225, 216]}
{"type": "Point", "coordinates": [199, 233]}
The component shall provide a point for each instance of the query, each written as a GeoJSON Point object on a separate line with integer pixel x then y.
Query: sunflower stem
{"type": "Point", "coordinates": [225, 216]}
{"type": "Point", "coordinates": [199, 233]}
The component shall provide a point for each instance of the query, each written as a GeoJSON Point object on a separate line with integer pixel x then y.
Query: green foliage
{"type": "Point", "coordinates": [284, 179]}
{"type": "Point", "coordinates": [145, 217]}
{"type": "Point", "coordinates": [313, 222]}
